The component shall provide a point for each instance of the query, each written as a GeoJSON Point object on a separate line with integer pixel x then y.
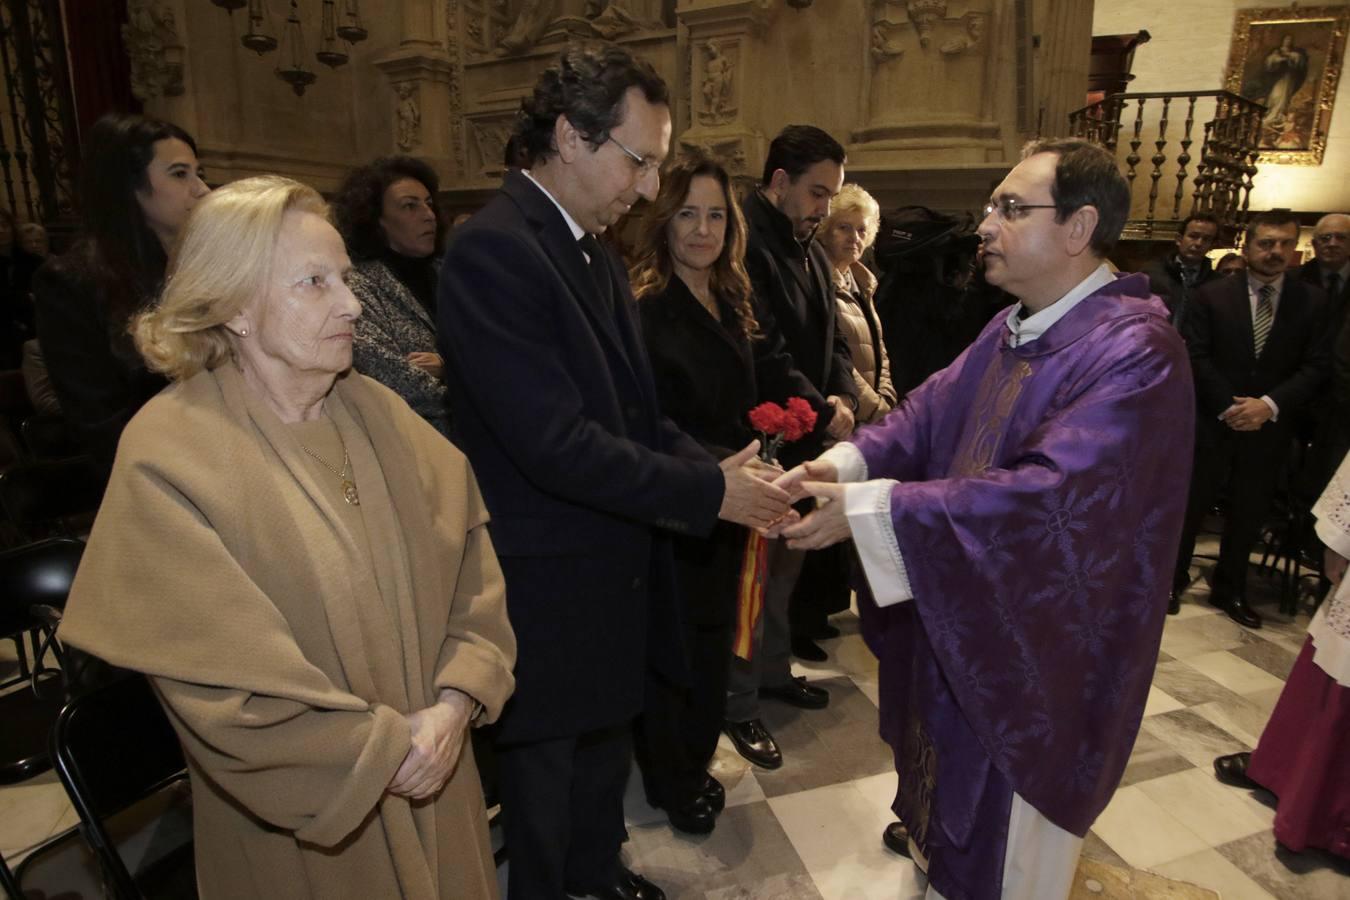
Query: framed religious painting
{"type": "Point", "coordinates": [1289, 60]}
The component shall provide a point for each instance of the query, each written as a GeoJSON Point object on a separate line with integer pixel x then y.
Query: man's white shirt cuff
{"type": "Point", "coordinates": [868, 507]}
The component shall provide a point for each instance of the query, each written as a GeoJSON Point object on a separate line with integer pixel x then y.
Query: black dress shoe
{"type": "Point", "coordinates": [797, 692]}
{"type": "Point", "coordinates": [627, 885]}
{"type": "Point", "coordinates": [1232, 770]}
{"type": "Point", "coordinates": [1174, 603]}
{"type": "Point", "coordinates": [806, 649]}
{"type": "Point", "coordinates": [896, 839]}
{"type": "Point", "coordinates": [1240, 612]}
{"type": "Point", "coordinates": [712, 791]}
{"type": "Point", "coordinates": [695, 816]}
{"type": "Point", "coordinates": [755, 743]}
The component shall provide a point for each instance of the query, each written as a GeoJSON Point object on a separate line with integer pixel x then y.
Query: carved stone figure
{"type": "Point", "coordinates": [719, 73]}
{"type": "Point", "coordinates": [974, 22]}
{"type": "Point", "coordinates": [409, 116]}
{"type": "Point", "coordinates": [153, 47]}
{"type": "Point", "coordinates": [531, 22]}
{"type": "Point", "coordinates": [924, 13]}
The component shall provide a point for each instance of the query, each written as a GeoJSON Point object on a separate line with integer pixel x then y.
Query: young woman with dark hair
{"type": "Point", "coordinates": [140, 180]}
{"type": "Point", "coordinates": [711, 367]}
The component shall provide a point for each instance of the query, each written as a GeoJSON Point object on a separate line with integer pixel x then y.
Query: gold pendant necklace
{"type": "Point", "coordinates": [348, 486]}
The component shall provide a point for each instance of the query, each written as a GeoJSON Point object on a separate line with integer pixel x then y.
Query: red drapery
{"type": "Point", "coordinates": [100, 73]}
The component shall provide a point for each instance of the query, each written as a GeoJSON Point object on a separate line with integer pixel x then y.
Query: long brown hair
{"type": "Point", "coordinates": [652, 270]}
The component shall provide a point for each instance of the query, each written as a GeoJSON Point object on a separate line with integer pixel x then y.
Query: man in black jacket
{"type": "Point", "coordinates": [1260, 351]}
{"type": "Point", "coordinates": [555, 406]}
{"type": "Point", "coordinates": [1176, 276]}
{"type": "Point", "coordinates": [795, 306]}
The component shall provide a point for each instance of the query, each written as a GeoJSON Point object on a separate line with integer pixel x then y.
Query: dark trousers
{"type": "Point", "coordinates": [822, 589]}
{"type": "Point", "coordinates": [562, 806]}
{"type": "Point", "coordinates": [1248, 464]}
{"type": "Point", "coordinates": [677, 734]}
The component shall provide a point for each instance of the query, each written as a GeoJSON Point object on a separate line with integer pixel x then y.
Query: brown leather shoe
{"type": "Point", "coordinates": [1232, 770]}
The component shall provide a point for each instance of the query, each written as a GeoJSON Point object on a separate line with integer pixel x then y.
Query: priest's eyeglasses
{"type": "Point", "coordinates": [643, 167]}
{"type": "Point", "coordinates": [1010, 209]}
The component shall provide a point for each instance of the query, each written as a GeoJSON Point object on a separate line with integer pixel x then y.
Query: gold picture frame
{"type": "Point", "coordinates": [1289, 59]}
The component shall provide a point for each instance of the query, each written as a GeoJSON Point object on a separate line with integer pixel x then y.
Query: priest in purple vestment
{"type": "Point", "coordinates": [1017, 518]}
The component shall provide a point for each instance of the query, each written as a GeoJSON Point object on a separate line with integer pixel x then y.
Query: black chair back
{"type": "Point", "coordinates": [39, 498]}
{"type": "Point", "coordinates": [114, 746]}
{"type": "Point", "coordinates": [37, 574]}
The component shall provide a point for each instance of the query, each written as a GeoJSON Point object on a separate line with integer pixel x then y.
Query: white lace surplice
{"type": "Point", "coordinates": [1330, 628]}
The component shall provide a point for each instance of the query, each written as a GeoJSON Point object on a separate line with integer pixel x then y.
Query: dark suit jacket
{"type": "Point", "coordinates": [552, 400]}
{"type": "Point", "coordinates": [1164, 279]}
{"type": "Point", "coordinates": [1311, 273]}
{"type": "Point", "coordinates": [99, 377]}
{"type": "Point", "coordinates": [795, 306]}
{"type": "Point", "coordinates": [708, 378]}
{"type": "Point", "coordinates": [1293, 366]}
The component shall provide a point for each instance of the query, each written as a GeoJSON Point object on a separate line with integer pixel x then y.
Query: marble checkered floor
{"type": "Point", "coordinates": [812, 829]}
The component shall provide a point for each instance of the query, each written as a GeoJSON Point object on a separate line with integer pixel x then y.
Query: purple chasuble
{"type": "Point", "coordinates": [1041, 500]}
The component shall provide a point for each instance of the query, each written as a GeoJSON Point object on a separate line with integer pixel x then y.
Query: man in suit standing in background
{"type": "Point", "coordinates": [1260, 351]}
{"type": "Point", "coordinates": [795, 307]}
{"type": "Point", "coordinates": [1329, 268]}
{"type": "Point", "coordinates": [1176, 276]}
{"type": "Point", "coordinates": [555, 406]}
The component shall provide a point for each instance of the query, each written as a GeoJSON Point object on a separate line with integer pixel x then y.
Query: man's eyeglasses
{"type": "Point", "coordinates": [1010, 209]}
{"type": "Point", "coordinates": [643, 166]}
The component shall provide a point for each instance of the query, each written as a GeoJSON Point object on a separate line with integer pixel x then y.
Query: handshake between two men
{"type": "Point", "coordinates": [760, 495]}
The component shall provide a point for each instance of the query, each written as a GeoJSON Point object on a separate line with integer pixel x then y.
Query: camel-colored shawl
{"type": "Point", "coordinates": [287, 650]}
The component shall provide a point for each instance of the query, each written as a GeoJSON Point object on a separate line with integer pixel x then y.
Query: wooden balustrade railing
{"type": "Point", "coordinates": [1225, 166]}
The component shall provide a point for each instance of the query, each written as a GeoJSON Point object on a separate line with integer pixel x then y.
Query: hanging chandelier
{"type": "Point", "coordinates": [336, 28]}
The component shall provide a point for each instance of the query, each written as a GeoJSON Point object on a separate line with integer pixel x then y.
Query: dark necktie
{"type": "Point", "coordinates": [1264, 318]}
{"type": "Point", "coordinates": [1334, 286]}
{"type": "Point", "coordinates": [600, 273]}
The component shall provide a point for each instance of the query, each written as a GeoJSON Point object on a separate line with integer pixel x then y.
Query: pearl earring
{"type": "Point", "coordinates": [243, 332]}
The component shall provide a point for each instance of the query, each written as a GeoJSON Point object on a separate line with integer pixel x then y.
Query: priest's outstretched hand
{"type": "Point", "coordinates": [794, 479]}
{"type": "Point", "coordinates": [824, 526]}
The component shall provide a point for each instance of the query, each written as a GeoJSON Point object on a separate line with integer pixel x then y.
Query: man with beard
{"type": "Point", "coordinates": [1260, 347]}
{"type": "Point", "coordinates": [795, 309]}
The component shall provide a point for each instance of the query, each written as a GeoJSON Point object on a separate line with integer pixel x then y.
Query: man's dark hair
{"type": "Point", "coordinates": [798, 148]}
{"type": "Point", "coordinates": [1271, 218]}
{"type": "Point", "coordinates": [1199, 217]}
{"type": "Point", "coordinates": [1087, 175]}
{"type": "Point", "coordinates": [359, 203]}
{"type": "Point", "coordinates": [587, 85]}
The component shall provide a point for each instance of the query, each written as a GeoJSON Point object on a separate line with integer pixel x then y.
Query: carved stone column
{"type": "Point", "coordinates": [422, 79]}
{"type": "Point", "coordinates": [719, 45]}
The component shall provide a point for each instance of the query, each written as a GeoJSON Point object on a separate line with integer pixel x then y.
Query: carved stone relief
{"type": "Point", "coordinates": [893, 21]}
{"type": "Point", "coordinates": [616, 18]}
{"type": "Point", "coordinates": [408, 115]}
{"type": "Point", "coordinates": [729, 154]}
{"type": "Point", "coordinates": [154, 49]}
{"type": "Point", "coordinates": [490, 136]}
{"type": "Point", "coordinates": [456, 93]}
{"type": "Point", "coordinates": [532, 19]}
{"type": "Point", "coordinates": [717, 90]}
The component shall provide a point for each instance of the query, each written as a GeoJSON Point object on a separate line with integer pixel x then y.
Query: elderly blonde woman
{"type": "Point", "coordinates": [849, 230]}
{"type": "Point", "coordinates": [301, 565]}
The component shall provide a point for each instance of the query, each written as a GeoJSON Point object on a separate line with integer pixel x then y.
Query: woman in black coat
{"type": "Point", "coordinates": [141, 178]}
{"type": "Point", "coordinates": [710, 368]}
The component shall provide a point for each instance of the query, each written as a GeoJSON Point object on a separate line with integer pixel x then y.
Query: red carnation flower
{"type": "Point", "coordinates": [801, 419]}
{"type": "Point", "coordinates": [769, 418]}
